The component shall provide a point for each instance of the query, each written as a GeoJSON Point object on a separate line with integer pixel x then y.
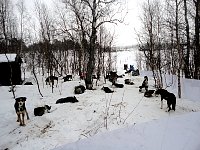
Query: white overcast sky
{"type": "Point", "coordinates": [124, 33]}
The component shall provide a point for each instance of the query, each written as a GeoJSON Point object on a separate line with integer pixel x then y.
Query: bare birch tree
{"type": "Point", "coordinates": [150, 40]}
{"type": "Point", "coordinates": [90, 15]}
{"type": "Point", "coordinates": [196, 39]}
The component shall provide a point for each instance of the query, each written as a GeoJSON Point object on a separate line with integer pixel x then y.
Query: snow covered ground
{"type": "Point", "coordinates": [124, 120]}
{"type": "Point", "coordinates": [174, 133]}
{"type": "Point", "coordinates": [95, 113]}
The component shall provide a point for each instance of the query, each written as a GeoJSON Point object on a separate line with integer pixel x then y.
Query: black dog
{"type": "Point", "coordinates": [67, 78]}
{"type": "Point", "coordinates": [39, 111]}
{"type": "Point", "coordinates": [128, 81]}
{"type": "Point", "coordinates": [79, 89]}
{"type": "Point", "coordinates": [20, 109]}
{"type": "Point", "coordinates": [51, 79]}
{"type": "Point", "coordinates": [67, 100]}
{"type": "Point", "coordinates": [170, 97]}
{"type": "Point", "coordinates": [144, 84]}
{"type": "Point", "coordinates": [28, 83]}
{"type": "Point", "coordinates": [107, 89]}
{"type": "Point", "coordinates": [149, 93]}
{"type": "Point", "coordinates": [118, 85]}
{"type": "Point", "coordinates": [112, 77]}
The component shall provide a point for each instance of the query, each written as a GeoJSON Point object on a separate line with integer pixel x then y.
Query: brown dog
{"type": "Point", "coordinates": [20, 109]}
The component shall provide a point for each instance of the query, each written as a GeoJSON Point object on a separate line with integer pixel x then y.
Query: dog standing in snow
{"type": "Point", "coordinates": [51, 79]}
{"type": "Point", "coordinates": [20, 109]}
{"type": "Point", "coordinates": [170, 97]}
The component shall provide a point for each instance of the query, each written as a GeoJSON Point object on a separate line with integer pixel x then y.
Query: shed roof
{"type": "Point", "coordinates": [11, 57]}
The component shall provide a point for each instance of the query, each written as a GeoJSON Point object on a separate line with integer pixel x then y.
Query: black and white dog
{"type": "Point", "coordinates": [170, 97]}
{"type": "Point", "coordinates": [79, 89]}
{"type": "Point", "coordinates": [20, 109]}
{"type": "Point", "coordinates": [39, 111]}
{"type": "Point", "coordinates": [107, 89]}
{"type": "Point", "coordinates": [67, 100]}
{"type": "Point", "coordinates": [67, 78]}
{"type": "Point", "coordinates": [128, 81]}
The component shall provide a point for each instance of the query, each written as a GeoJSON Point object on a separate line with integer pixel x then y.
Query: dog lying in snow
{"type": "Point", "coordinates": [79, 89]}
{"type": "Point", "coordinates": [118, 85]}
{"type": "Point", "coordinates": [67, 100]}
{"type": "Point", "coordinates": [107, 89]}
{"type": "Point", "coordinates": [148, 93]}
{"type": "Point", "coordinates": [170, 97]}
{"type": "Point", "coordinates": [128, 81]}
{"type": "Point", "coordinates": [20, 109]}
{"type": "Point", "coordinates": [39, 111]}
{"type": "Point", "coordinates": [67, 78]}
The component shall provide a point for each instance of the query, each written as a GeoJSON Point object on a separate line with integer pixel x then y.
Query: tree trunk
{"type": "Point", "coordinates": [179, 50]}
{"type": "Point", "coordinates": [92, 49]}
{"type": "Point", "coordinates": [187, 62]}
{"type": "Point", "coordinates": [91, 62]}
{"type": "Point", "coordinates": [197, 49]}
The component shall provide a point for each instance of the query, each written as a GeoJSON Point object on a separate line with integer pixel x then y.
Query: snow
{"type": "Point", "coordinates": [10, 57]}
{"type": "Point", "coordinates": [174, 133]}
{"type": "Point", "coordinates": [122, 120]}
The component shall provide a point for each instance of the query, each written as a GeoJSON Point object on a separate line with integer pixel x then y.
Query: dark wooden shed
{"type": "Point", "coordinates": [10, 68]}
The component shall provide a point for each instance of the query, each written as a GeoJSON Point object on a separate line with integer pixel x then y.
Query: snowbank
{"type": "Point", "coordinates": [174, 133]}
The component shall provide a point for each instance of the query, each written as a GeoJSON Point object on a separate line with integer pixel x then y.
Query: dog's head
{"type": "Point", "coordinates": [160, 91]}
{"type": "Point", "coordinates": [75, 99]}
{"type": "Point", "coordinates": [20, 100]}
{"type": "Point", "coordinates": [145, 78]}
{"type": "Point", "coordinates": [20, 104]}
{"type": "Point", "coordinates": [157, 91]}
{"type": "Point", "coordinates": [47, 107]}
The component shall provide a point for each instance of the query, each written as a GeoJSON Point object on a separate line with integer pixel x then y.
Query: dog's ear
{"type": "Point", "coordinates": [17, 100]}
{"type": "Point", "coordinates": [24, 99]}
{"type": "Point", "coordinates": [48, 107]}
